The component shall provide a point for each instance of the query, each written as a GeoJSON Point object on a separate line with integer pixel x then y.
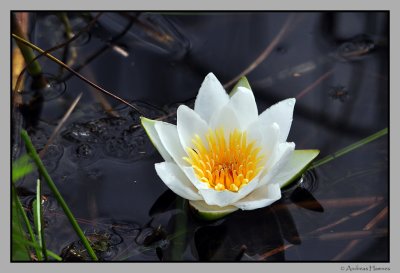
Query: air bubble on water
{"type": "Point", "coordinates": [119, 138]}
{"type": "Point", "coordinates": [79, 133]}
{"type": "Point", "coordinates": [83, 154]}
{"type": "Point", "coordinates": [53, 89]}
{"type": "Point", "coordinates": [84, 151]}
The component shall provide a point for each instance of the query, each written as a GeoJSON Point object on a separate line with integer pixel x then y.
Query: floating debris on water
{"type": "Point", "coordinates": [355, 48]}
{"type": "Point", "coordinates": [339, 93]}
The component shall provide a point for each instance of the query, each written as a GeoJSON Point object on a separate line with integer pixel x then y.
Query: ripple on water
{"type": "Point", "coordinates": [310, 180]}
{"type": "Point", "coordinates": [52, 156]}
{"type": "Point", "coordinates": [39, 137]}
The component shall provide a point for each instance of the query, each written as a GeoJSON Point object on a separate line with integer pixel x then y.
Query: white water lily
{"type": "Point", "coordinates": [223, 156]}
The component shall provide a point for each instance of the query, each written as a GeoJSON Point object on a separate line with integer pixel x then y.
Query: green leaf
{"type": "Point", "coordinates": [21, 167]}
{"type": "Point", "coordinates": [243, 82]}
{"type": "Point", "coordinates": [19, 250]}
{"type": "Point", "coordinates": [297, 165]}
{"type": "Point", "coordinates": [23, 241]}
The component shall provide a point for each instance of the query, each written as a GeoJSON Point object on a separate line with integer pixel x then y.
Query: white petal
{"type": "Point", "coordinates": [189, 123]}
{"type": "Point", "coordinates": [281, 113]}
{"type": "Point", "coordinates": [211, 97]}
{"type": "Point", "coordinates": [261, 197]}
{"type": "Point", "coordinates": [225, 118]}
{"type": "Point", "coordinates": [266, 137]}
{"type": "Point", "coordinates": [169, 137]}
{"type": "Point", "coordinates": [279, 159]}
{"type": "Point", "coordinates": [193, 178]}
{"type": "Point", "coordinates": [296, 164]}
{"type": "Point", "coordinates": [176, 180]}
{"type": "Point", "coordinates": [244, 105]}
{"type": "Point", "coordinates": [271, 138]}
{"type": "Point", "coordinates": [149, 127]}
{"type": "Point", "coordinates": [282, 154]}
{"type": "Point", "coordinates": [226, 197]}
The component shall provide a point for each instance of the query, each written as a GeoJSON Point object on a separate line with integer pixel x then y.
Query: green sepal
{"type": "Point", "coordinates": [243, 82]}
{"type": "Point", "coordinates": [300, 160]}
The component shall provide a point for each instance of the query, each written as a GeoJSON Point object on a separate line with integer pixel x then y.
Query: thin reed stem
{"type": "Point", "coordinates": [21, 210]}
{"type": "Point", "coordinates": [42, 170]}
{"type": "Point", "coordinates": [349, 148]}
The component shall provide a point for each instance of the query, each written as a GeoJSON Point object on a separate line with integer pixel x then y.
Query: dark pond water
{"type": "Point", "coordinates": [335, 64]}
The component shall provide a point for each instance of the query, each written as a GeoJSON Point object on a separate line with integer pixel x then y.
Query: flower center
{"type": "Point", "coordinates": [225, 164]}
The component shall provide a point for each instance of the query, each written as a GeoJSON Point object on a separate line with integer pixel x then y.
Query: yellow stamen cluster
{"type": "Point", "coordinates": [225, 164]}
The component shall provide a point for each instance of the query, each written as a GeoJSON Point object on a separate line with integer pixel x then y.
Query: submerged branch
{"type": "Point", "coordinates": [367, 228]}
{"type": "Point", "coordinates": [337, 203]}
{"type": "Point", "coordinates": [263, 54]}
{"type": "Point", "coordinates": [373, 202]}
{"type": "Point", "coordinates": [314, 84]}
{"type": "Point", "coordinates": [60, 125]}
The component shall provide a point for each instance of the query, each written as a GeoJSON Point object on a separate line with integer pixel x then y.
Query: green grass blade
{"type": "Point", "coordinates": [18, 211]}
{"type": "Point", "coordinates": [21, 167]}
{"type": "Point", "coordinates": [53, 255]}
{"type": "Point", "coordinates": [19, 251]}
{"type": "Point", "coordinates": [42, 170]}
{"type": "Point", "coordinates": [22, 240]}
{"type": "Point", "coordinates": [38, 219]}
{"type": "Point", "coordinates": [350, 148]}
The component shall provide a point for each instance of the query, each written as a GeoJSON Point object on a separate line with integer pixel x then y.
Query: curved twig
{"type": "Point", "coordinates": [19, 79]}
{"type": "Point", "coordinates": [51, 57]}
